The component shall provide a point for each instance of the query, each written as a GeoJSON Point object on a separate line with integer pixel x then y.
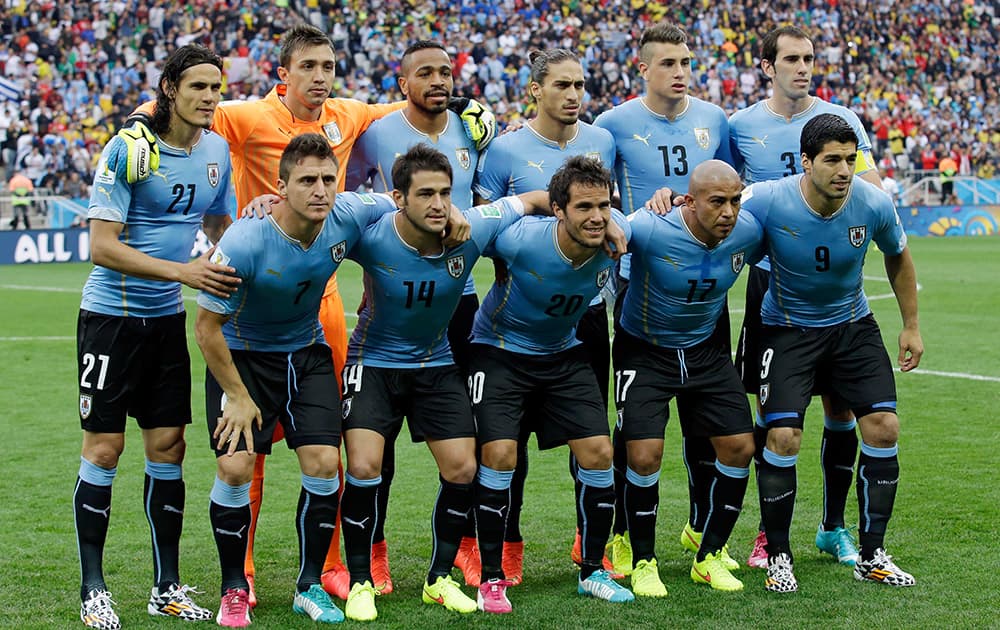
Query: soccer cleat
{"type": "Point", "coordinates": [758, 555]}
{"type": "Point", "coordinates": [492, 597]}
{"type": "Point", "coordinates": [602, 586]}
{"type": "Point", "coordinates": [619, 550]}
{"type": "Point", "coordinates": [96, 611]}
{"type": "Point", "coordinates": [380, 568]}
{"type": "Point", "coordinates": [882, 569]}
{"type": "Point", "coordinates": [251, 592]}
{"type": "Point", "coordinates": [445, 591]}
{"type": "Point", "coordinates": [576, 554]}
{"type": "Point", "coordinates": [512, 562]}
{"type": "Point", "coordinates": [646, 580]}
{"type": "Point", "coordinates": [780, 578]}
{"type": "Point", "coordinates": [361, 603]}
{"type": "Point", "coordinates": [714, 572]}
{"type": "Point", "coordinates": [317, 605]}
{"type": "Point", "coordinates": [468, 561]}
{"type": "Point", "coordinates": [234, 609]}
{"type": "Point", "coordinates": [691, 540]}
{"type": "Point", "coordinates": [177, 603]}
{"type": "Point", "coordinates": [839, 543]}
{"type": "Point", "coordinates": [336, 581]}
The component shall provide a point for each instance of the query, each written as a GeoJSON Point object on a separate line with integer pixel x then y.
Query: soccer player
{"type": "Point", "coordinates": [399, 362]}
{"type": "Point", "coordinates": [683, 265]}
{"type": "Point", "coordinates": [765, 140]}
{"type": "Point", "coordinates": [268, 364]}
{"type": "Point", "coordinates": [526, 160]}
{"type": "Point", "coordinates": [426, 81]}
{"type": "Point", "coordinates": [524, 342]}
{"type": "Point", "coordinates": [131, 338]}
{"type": "Point", "coordinates": [817, 324]}
{"type": "Point", "coordinates": [660, 138]}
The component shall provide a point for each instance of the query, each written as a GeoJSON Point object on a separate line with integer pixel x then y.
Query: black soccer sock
{"type": "Point", "coordinates": [878, 477]}
{"type": "Point", "coordinates": [642, 502]}
{"type": "Point", "coordinates": [759, 441]}
{"type": "Point", "coordinates": [452, 512]}
{"type": "Point", "coordinates": [388, 472]}
{"type": "Point", "coordinates": [620, 464]}
{"type": "Point", "coordinates": [776, 485]}
{"type": "Point", "coordinates": [92, 511]}
{"type": "Point", "coordinates": [727, 492]}
{"type": "Point", "coordinates": [229, 513]}
{"type": "Point", "coordinates": [513, 531]}
{"type": "Point", "coordinates": [574, 473]}
{"type": "Point", "coordinates": [839, 449]}
{"type": "Point", "coordinates": [492, 506]}
{"type": "Point", "coordinates": [357, 521]}
{"type": "Point", "coordinates": [597, 505]}
{"type": "Point", "coordinates": [315, 521]}
{"type": "Point", "coordinates": [163, 497]}
{"type": "Point", "coordinates": [699, 459]}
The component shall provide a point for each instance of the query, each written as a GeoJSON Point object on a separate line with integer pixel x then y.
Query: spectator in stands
{"type": "Point", "coordinates": [947, 168]}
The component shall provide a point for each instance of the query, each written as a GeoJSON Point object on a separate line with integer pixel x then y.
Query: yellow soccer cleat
{"type": "Point", "coordinates": [619, 550]}
{"type": "Point", "coordinates": [646, 580]}
{"type": "Point", "coordinates": [714, 572]}
{"type": "Point", "coordinates": [446, 592]}
{"type": "Point", "coordinates": [691, 540]}
{"type": "Point", "coordinates": [361, 603]}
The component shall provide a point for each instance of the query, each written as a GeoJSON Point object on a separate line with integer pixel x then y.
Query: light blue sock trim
{"type": "Point", "coordinates": [834, 425]}
{"type": "Point", "coordinates": [732, 471]}
{"type": "Point", "coordinates": [360, 483]}
{"type": "Point", "coordinates": [781, 461]}
{"type": "Point", "coordinates": [759, 420]}
{"type": "Point", "coordinates": [596, 478]}
{"type": "Point", "coordinates": [643, 481]}
{"type": "Point", "coordinates": [163, 472]}
{"type": "Point", "coordinates": [95, 475]}
{"type": "Point", "coordinates": [318, 485]}
{"type": "Point", "coordinates": [872, 451]}
{"type": "Point", "coordinates": [230, 496]}
{"type": "Point", "coordinates": [495, 479]}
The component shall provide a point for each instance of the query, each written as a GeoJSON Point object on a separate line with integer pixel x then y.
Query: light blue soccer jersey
{"type": "Point", "coordinates": [411, 298]}
{"type": "Point", "coordinates": [161, 215]}
{"type": "Point", "coordinates": [816, 263]}
{"type": "Point", "coordinates": [276, 307]}
{"type": "Point", "coordinates": [651, 151]}
{"type": "Point", "coordinates": [679, 285]}
{"type": "Point", "coordinates": [389, 137]}
{"type": "Point", "coordinates": [538, 307]}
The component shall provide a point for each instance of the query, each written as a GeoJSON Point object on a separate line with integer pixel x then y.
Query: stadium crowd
{"type": "Point", "coordinates": [920, 75]}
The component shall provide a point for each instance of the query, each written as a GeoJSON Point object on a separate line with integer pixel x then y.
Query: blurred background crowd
{"type": "Point", "coordinates": [923, 76]}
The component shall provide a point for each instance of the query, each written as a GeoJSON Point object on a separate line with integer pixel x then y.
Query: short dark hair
{"type": "Point", "coordinates": [301, 147]}
{"type": "Point", "coordinates": [177, 62]}
{"type": "Point", "coordinates": [578, 169]}
{"type": "Point", "coordinates": [420, 157]}
{"type": "Point", "coordinates": [769, 45]}
{"type": "Point", "coordinates": [298, 37]}
{"type": "Point", "coordinates": [661, 33]}
{"type": "Point", "coordinates": [541, 60]}
{"type": "Point", "coordinates": [415, 47]}
{"type": "Point", "coordinates": [822, 129]}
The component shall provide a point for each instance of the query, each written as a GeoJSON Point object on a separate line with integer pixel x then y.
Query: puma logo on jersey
{"type": "Point", "coordinates": [225, 532]}
{"type": "Point", "coordinates": [273, 272]}
{"type": "Point", "coordinates": [106, 512]}
{"type": "Point", "coordinates": [161, 172]}
{"type": "Point", "coordinates": [643, 139]}
{"type": "Point", "coordinates": [537, 165]}
{"type": "Point", "coordinates": [761, 141]}
{"type": "Point", "coordinates": [536, 275]}
{"type": "Point", "coordinates": [360, 523]}
{"type": "Point", "coordinates": [790, 231]}
{"type": "Point", "coordinates": [672, 262]}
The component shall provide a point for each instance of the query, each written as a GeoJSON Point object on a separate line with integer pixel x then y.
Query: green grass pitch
{"type": "Point", "coordinates": [944, 531]}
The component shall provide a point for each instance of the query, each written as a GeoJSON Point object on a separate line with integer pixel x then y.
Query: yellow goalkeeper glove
{"type": "Point", "coordinates": [142, 155]}
{"type": "Point", "coordinates": [478, 120]}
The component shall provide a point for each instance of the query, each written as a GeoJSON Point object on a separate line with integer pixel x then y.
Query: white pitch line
{"type": "Point", "coordinates": [961, 375]}
{"type": "Point", "coordinates": [24, 287]}
{"type": "Point", "coordinates": [38, 338]}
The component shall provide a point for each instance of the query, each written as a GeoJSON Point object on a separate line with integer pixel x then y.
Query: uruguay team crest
{"type": "Point", "coordinates": [602, 277]}
{"type": "Point", "coordinates": [858, 234]}
{"type": "Point", "coordinates": [736, 261]}
{"type": "Point", "coordinates": [765, 389]}
{"type": "Point", "coordinates": [345, 408]}
{"type": "Point", "coordinates": [456, 266]}
{"type": "Point", "coordinates": [703, 136]}
{"type": "Point", "coordinates": [332, 132]}
{"type": "Point", "coordinates": [213, 174]}
{"type": "Point", "coordinates": [464, 159]}
{"type": "Point", "coordinates": [338, 251]}
{"type": "Point", "coordinates": [86, 404]}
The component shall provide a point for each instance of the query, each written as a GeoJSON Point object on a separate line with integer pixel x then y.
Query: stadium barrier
{"type": "Point", "coordinates": [19, 247]}
{"type": "Point", "coordinates": [951, 220]}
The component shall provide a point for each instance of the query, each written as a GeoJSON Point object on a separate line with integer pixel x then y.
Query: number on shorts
{"type": "Point", "coordinates": [623, 379]}
{"type": "Point", "coordinates": [89, 361]}
{"type": "Point", "coordinates": [352, 377]}
{"type": "Point", "coordinates": [476, 383]}
{"type": "Point", "coordinates": [765, 362]}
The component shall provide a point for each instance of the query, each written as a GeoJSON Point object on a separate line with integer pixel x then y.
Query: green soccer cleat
{"type": "Point", "coordinates": [619, 550]}
{"type": "Point", "coordinates": [691, 540]}
{"type": "Point", "coordinates": [646, 580]}
{"type": "Point", "coordinates": [317, 605]}
{"type": "Point", "coordinates": [714, 572]}
{"type": "Point", "coordinates": [360, 604]}
{"type": "Point", "coordinates": [839, 543]}
{"type": "Point", "coordinates": [446, 592]}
